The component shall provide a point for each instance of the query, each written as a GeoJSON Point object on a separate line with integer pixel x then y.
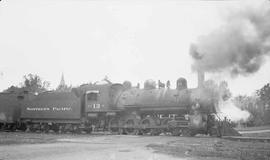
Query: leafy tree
{"type": "Point", "coordinates": [13, 89]}
{"type": "Point", "coordinates": [257, 105]}
{"type": "Point", "coordinates": [264, 95]}
{"type": "Point", "coordinates": [33, 83]}
{"type": "Point", "coordinates": [254, 106]}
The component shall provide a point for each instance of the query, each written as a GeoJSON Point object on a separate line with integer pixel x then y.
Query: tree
{"type": "Point", "coordinates": [33, 83]}
{"type": "Point", "coordinates": [264, 95]}
{"type": "Point", "coordinates": [13, 89]}
{"type": "Point", "coordinates": [253, 105]}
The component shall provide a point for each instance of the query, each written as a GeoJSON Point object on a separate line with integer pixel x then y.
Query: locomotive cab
{"type": "Point", "coordinates": [99, 101]}
{"type": "Point", "coordinates": [91, 99]}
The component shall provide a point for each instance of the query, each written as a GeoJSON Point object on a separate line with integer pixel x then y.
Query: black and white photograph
{"type": "Point", "coordinates": [134, 79]}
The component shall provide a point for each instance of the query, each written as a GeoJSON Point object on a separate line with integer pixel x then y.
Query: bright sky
{"type": "Point", "coordinates": [125, 40]}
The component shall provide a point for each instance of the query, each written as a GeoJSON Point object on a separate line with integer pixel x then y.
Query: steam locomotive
{"type": "Point", "coordinates": [113, 107]}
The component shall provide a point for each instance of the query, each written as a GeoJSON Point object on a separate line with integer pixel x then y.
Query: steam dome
{"type": "Point", "coordinates": [149, 84]}
{"type": "Point", "coordinates": [181, 83]}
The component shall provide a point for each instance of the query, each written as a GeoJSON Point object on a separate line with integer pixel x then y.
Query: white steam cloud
{"type": "Point", "coordinates": [229, 110]}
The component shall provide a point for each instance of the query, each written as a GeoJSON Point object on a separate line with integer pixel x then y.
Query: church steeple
{"type": "Point", "coordinates": [62, 82]}
{"type": "Point", "coordinates": [62, 87]}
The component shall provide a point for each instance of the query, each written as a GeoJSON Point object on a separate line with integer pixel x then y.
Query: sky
{"type": "Point", "coordinates": [87, 40]}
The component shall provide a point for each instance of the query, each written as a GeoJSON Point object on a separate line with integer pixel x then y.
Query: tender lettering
{"type": "Point", "coordinates": [49, 109]}
{"type": "Point", "coordinates": [61, 108]}
{"type": "Point", "coordinates": [37, 109]}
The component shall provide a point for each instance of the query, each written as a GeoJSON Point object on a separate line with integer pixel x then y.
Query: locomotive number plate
{"type": "Point", "coordinates": [94, 106]}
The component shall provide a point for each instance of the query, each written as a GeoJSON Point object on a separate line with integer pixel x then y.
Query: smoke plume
{"type": "Point", "coordinates": [239, 46]}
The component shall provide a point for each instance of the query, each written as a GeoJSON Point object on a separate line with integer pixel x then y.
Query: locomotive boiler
{"type": "Point", "coordinates": [151, 110]}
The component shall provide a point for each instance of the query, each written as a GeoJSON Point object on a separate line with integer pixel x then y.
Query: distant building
{"type": "Point", "coordinates": [62, 87]}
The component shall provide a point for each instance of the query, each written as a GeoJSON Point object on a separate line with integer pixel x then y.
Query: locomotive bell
{"type": "Point", "coordinates": [181, 83]}
{"type": "Point", "coordinates": [150, 84]}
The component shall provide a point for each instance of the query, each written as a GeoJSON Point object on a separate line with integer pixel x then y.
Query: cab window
{"type": "Point", "coordinates": [92, 96]}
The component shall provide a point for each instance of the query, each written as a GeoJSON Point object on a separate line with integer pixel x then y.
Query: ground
{"type": "Point", "coordinates": [39, 146]}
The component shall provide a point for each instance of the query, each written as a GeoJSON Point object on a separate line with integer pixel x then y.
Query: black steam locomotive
{"type": "Point", "coordinates": [113, 107]}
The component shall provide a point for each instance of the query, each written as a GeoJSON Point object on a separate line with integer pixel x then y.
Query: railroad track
{"type": "Point", "coordinates": [247, 139]}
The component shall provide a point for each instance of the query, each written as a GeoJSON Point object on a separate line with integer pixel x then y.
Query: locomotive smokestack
{"type": "Point", "coordinates": [200, 78]}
